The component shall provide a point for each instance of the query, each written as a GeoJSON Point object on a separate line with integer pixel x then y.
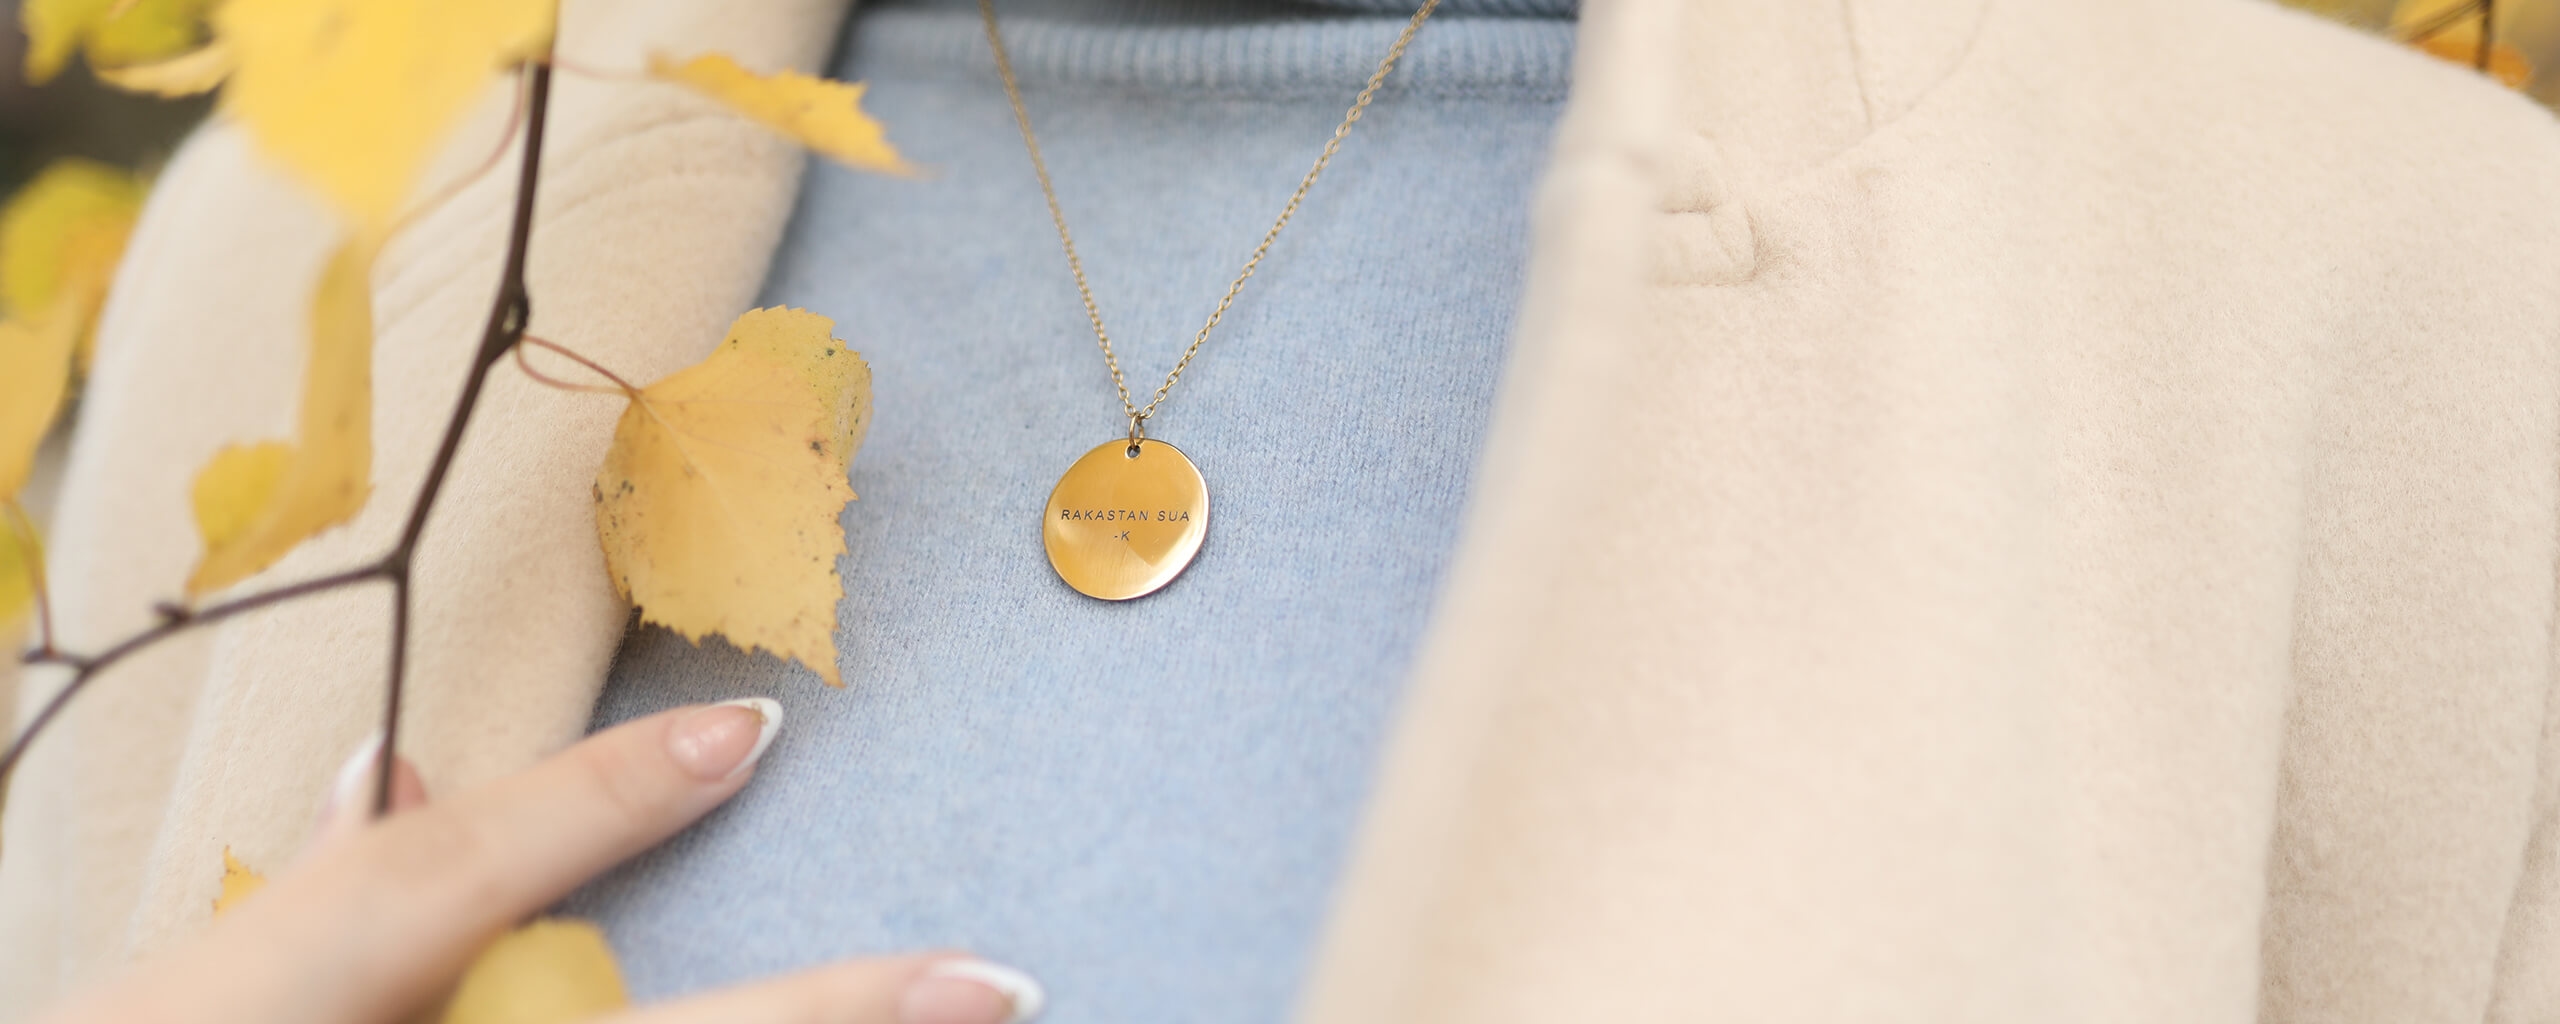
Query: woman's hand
{"type": "Point", "coordinates": [378, 919]}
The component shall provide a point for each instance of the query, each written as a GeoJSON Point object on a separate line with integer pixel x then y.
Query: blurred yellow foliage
{"type": "Point", "coordinates": [235, 487]}
{"type": "Point", "coordinates": [113, 32]}
{"type": "Point", "coordinates": [822, 114]}
{"type": "Point", "coordinates": [2526, 40]}
{"type": "Point", "coordinates": [2451, 29]}
{"type": "Point", "coordinates": [20, 554]}
{"type": "Point", "coordinates": [60, 240]}
{"type": "Point", "coordinates": [354, 95]}
{"type": "Point", "coordinates": [189, 73]}
{"type": "Point", "coordinates": [255, 502]}
{"type": "Point", "coordinates": [35, 371]}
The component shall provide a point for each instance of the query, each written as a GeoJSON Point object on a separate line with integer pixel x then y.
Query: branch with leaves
{"type": "Point", "coordinates": [347, 97]}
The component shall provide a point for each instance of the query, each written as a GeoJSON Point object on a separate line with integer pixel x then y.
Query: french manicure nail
{"type": "Point", "coordinates": [354, 783]}
{"type": "Point", "coordinates": [718, 742]}
{"type": "Point", "coordinates": [971, 992]}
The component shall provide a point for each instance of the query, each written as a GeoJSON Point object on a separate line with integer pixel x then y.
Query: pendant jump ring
{"type": "Point", "coordinates": [1137, 433]}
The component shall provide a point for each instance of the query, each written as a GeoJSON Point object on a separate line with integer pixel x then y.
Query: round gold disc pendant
{"type": "Point", "coordinates": [1126, 519]}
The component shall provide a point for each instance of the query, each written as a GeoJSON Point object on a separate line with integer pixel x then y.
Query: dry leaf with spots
{"type": "Point", "coordinates": [353, 95]}
{"type": "Point", "coordinates": [255, 502]}
{"type": "Point", "coordinates": [822, 114]}
{"type": "Point", "coordinates": [717, 504]}
{"type": "Point", "coordinates": [61, 238]}
{"type": "Point", "coordinates": [111, 32]}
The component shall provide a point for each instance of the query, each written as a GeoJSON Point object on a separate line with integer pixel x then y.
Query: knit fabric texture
{"type": "Point", "coordinates": [1145, 804]}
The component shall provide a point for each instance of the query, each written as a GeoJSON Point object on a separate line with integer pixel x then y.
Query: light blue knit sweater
{"type": "Point", "coordinates": [1144, 804]}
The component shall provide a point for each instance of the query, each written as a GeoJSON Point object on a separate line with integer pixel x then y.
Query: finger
{"type": "Point", "coordinates": [907, 990]}
{"type": "Point", "coordinates": [349, 804]}
{"type": "Point", "coordinates": [527, 840]}
{"type": "Point", "coordinates": [372, 927]}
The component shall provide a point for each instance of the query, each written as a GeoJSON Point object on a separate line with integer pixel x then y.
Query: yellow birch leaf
{"type": "Point", "coordinates": [111, 31]}
{"type": "Point", "coordinates": [819, 113]}
{"type": "Point", "coordinates": [232, 489]}
{"type": "Point", "coordinates": [353, 95]}
{"type": "Point", "coordinates": [250, 511]}
{"type": "Point", "coordinates": [60, 240]}
{"type": "Point", "coordinates": [189, 73]}
{"type": "Point", "coordinates": [717, 504]}
{"type": "Point", "coordinates": [237, 883]}
{"type": "Point", "coordinates": [35, 371]}
{"type": "Point", "coordinates": [553, 971]}
{"type": "Point", "coordinates": [19, 556]}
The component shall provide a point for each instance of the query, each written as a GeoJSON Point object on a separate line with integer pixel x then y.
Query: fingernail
{"type": "Point", "coordinates": [354, 785]}
{"type": "Point", "coordinates": [970, 992]}
{"type": "Point", "coordinates": [719, 741]}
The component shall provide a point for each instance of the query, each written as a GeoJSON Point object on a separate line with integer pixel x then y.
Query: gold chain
{"type": "Point", "coordinates": [1013, 92]}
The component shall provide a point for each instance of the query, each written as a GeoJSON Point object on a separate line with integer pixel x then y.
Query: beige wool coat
{"type": "Point", "coordinates": [2001, 510]}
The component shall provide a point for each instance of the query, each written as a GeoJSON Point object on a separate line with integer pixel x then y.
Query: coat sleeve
{"type": "Point", "coordinates": [2528, 968]}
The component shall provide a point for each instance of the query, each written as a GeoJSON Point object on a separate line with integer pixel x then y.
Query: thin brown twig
{"type": "Point", "coordinates": [2445, 19]}
{"type": "Point", "coordinates": [509, 313]}
{"type": "Point", "coordinates": [2488, 36]}
{"type": "Point", "coordinates": [506, 141]}
{"type": "Point", "coordinates": [590, 364]}
{"type": "Point", "coordinates": [525, 365]}
{"type": "Point", "coordinates": [601, 74]}
{"type": "Point", "coordinates": [85, 669]}
{"type": "Point", "coordinates": [23, 533]}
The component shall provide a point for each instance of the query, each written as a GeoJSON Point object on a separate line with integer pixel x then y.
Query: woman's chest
{"type": "Point", "coordinates": [1143, 802]}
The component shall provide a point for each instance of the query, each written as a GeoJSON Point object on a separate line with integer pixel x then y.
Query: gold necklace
{"type": "Point", "coordinates": [1129, 516]}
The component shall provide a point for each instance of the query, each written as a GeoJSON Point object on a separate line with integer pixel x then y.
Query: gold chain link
{"type": "Point", "coordinates": [1013, 92]}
